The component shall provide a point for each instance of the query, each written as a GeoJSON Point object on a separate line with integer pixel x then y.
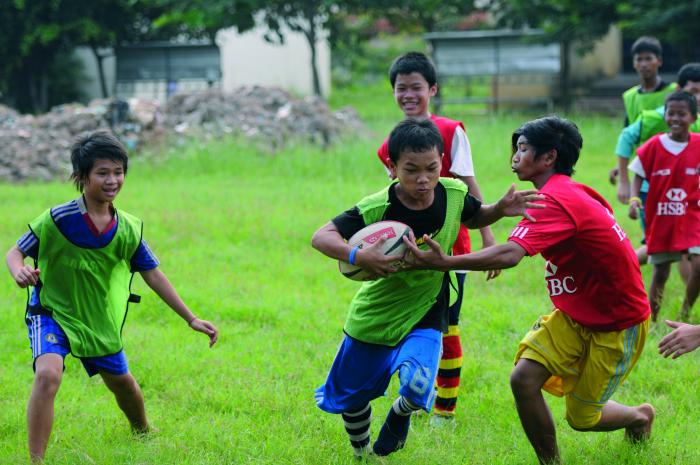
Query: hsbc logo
{"type": "Point", "coordinates": [676, 194]}
{"type": "Point", "coordinates": [558, 286]}
{"type": "Point", "coordinates": [550, 269]}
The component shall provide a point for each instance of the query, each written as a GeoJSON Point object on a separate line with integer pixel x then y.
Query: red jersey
{"type": "Point", "coordinates": [447, 129]}
{"type": "Point", "coordinates": [592, 273]}
{"type": "Point", "coordinates": [672, 208]}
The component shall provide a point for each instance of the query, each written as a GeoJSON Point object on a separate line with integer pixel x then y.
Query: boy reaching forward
{"type": "Point", "coordinates": [395, 323]}
{"type": "Point", "coordinates": [86, 252]}
{"type": "Point", "coordinates": [588, 345]}
{"type": "Point", "coordinates": [414, 80]}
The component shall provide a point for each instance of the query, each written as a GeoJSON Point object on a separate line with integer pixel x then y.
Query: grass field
{"type": "Point", "coordinates": [232, 227]}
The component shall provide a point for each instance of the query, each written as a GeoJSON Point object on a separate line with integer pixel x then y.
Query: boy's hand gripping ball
{"type": "Point", "coordinates": [393, 231]}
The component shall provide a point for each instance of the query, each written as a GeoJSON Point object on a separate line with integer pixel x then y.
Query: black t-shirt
{"type": "Point", "coordinates": [427, 221]}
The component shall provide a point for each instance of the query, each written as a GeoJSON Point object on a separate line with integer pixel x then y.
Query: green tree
{"type": "Point", "coordinates": [34, 34]}
{"type": "Point", "coordinates": [676, 23]}
{"type": "Point", "coordinates": [422, 15]}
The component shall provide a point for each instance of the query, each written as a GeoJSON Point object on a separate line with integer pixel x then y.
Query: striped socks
{"type": "Point", "coordinates": [357, 424]}
{"type": "Point", "coordinates": [449, 373]}
{"type": "Point", "coordinates": [393, 435]}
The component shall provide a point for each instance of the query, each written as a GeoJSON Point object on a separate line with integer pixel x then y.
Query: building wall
{"type": "Point", "coordinates": [90, 85]}
{"type": "Point", "coordinates": [604, 59]}
{"type": "Point", "coordinates": [246, 59]}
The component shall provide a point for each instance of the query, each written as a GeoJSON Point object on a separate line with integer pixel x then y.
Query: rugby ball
{"type": "Point", "coordinates": [394, 231]}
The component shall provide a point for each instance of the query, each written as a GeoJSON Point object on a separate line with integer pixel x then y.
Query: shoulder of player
{"type": "Point", "coordinates": [454, 184]}
{"type": "Point", "coordinates": [446, 122]}
{"type": "Point", "coordinates": [65, 209]}
{"type": "Point", "coordinates": [631, 91]}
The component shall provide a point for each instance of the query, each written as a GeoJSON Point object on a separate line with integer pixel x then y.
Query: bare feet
{"type": "Point", "coordinates": [642, 431]}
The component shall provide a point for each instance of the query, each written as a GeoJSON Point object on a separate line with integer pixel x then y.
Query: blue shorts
{"type": "Point", "coordinates": [361, 372]}
{"type": "Point", "coordinates": [47, 337]}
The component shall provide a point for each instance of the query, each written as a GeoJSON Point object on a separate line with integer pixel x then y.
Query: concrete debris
{"type": "Point", "coordinates": [37, 147]}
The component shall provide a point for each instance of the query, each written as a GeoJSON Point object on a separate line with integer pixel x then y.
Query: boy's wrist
{"type": "Point", "coordinates": [189, 322]}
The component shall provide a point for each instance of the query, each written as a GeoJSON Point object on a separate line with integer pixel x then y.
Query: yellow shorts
{"type": "Point", "coordinates": [587, 366]}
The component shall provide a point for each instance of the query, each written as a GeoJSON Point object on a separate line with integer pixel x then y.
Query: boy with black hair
{"type": "Point", "coordinates": [652, 90]}
{"type": "Point", "coordinates": [413, 79]}
{"type": "Point", "coordinates": [395, 323]}
{"type": "Point", "coordinates": [670, 163]}
{"type": "Point", "coordinates": [588, 345]}
{"type": "Point", "coordinates": [85, 253]}
{"type": "Point", "coordinates": [649, 94]}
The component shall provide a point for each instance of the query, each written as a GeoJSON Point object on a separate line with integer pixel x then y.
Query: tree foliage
{"type": "Point", "coordinates": [35, 34]}
{"type": "Point", "coordinates": [677, 23]}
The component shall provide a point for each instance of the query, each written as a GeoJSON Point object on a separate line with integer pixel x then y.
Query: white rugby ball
{"type": "Point", "coordinates": [394, 231]}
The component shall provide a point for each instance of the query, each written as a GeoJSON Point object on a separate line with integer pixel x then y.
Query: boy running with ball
{"type": "Point", "coordinates": [588, 345]}
{"type": "Point", "coordinates": [87, 252]}
{"type": "Point", "coordinates": [395, 322]}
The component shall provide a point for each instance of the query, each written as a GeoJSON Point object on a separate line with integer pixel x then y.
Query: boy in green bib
{"type": "Point", "coordinates": [85, 253]}
{"type": "Point", "coordinates": [395, 322]}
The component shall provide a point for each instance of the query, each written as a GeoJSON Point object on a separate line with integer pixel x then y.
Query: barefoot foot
{"type": "Point", "coordinates": [642, 431]}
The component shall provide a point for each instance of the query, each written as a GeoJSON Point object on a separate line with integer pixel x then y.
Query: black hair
{"type": "Point", "coordinates": [647, 44]}
{"type": "Point", "coordinates": [552, 132]}
{"type": "Point", "coordinates": [688, 72]}
{"type": "Point", "coordinates": [682, 96]}
{"type": "Point", "coordinates": [416, 135]}
{"type": "Point", "coordinates": [413, 62]}
{"type": "Point", "coordinates": [98, 145]}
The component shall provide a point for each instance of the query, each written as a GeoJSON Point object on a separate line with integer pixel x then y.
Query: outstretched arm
{"type": "Point", "coordinates": [24, 275]}
{"type": "Point", "coordinates": [499, 256]}
{"type": "Point", "coordinates": [683, 339]}
{"type": "Point", "coordinates": [487, 239]}
{"type": "Point", "coordinates": [513, 203]}
{"type": "Point", "coordinates": [157, 281]}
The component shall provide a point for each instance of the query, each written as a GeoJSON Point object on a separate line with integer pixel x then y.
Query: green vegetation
{"type": "Point", "coordinates": [232, 226]}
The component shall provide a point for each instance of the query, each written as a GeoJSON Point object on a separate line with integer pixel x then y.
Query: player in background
{"type": "Point", "coordinates": [648, 124]}
{"type": "Point", "coordinates": [669, 162]}
{"type": "Point", "coordinates": [413, 79]}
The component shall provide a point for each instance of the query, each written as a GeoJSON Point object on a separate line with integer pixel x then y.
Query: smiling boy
{"type": "Point", "coordinates": [87, 252]}
{"type": "Point", "coordinates": [669, 162]}
{"type": "Point", "coordinates": [395, 323]}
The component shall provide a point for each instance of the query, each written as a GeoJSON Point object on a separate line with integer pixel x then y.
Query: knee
{"type": "Point", "coordinates": [48, 380]}
{"type": "Point", "coordinates": [661, 272]}
{"type": "Point", "coordinates": [521, 383]}
{"type": "Point", "coordinates": [123, 384]}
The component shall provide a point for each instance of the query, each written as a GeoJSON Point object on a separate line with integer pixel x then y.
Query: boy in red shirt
{"type": "Point", "coordinates": [670, 163]}
{"type": "Point", "coordinates": [414, 80]}
{"type": "Point", "coordinates": [588, 345]}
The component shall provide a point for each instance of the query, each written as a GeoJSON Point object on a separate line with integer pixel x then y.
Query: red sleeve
{"type": "Point", "coordinates": [552, 225]}
{"type": "Point", "coordinates": [383, 153]}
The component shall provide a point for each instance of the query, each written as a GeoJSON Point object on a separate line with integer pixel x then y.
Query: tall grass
{"type": "Point", "coordinates": [231, 225]}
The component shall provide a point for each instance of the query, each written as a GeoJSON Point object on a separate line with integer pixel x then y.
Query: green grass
{"type": "Point", "coordinates": [232, 229]}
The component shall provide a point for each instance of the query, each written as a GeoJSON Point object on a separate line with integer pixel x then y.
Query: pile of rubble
{"type": "Point", "coordinates": [37, 147]}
